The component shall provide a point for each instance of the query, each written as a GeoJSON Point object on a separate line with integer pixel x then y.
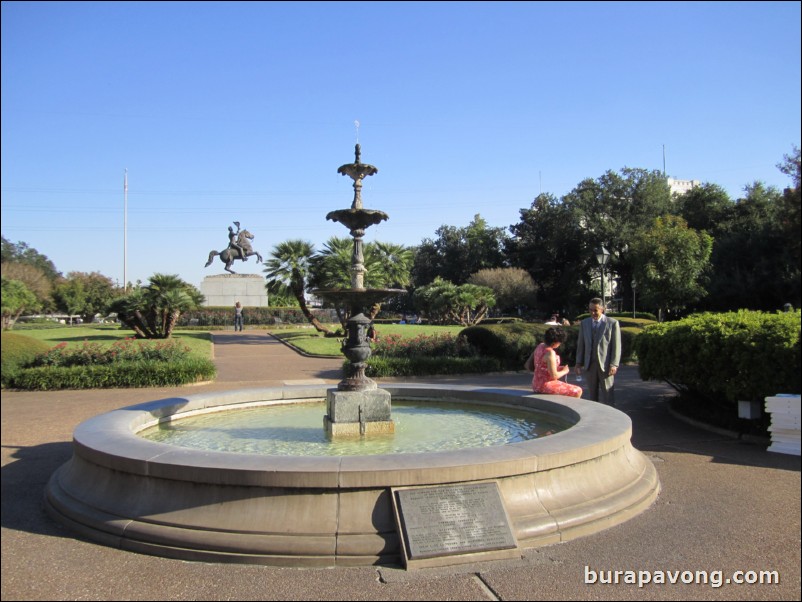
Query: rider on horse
{"type": "Point", "coordinates": [232, 241]}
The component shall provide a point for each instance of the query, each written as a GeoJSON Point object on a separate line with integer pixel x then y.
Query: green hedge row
{"type": "Point", "coordinates": [252, 316]}
{"type": "Point", "coordinates": [379, 366]}
{"type": "Point", "coordinates": [142, 373]}
{"type": "Point", "coordinates": [17, 350]}
{"type": "Point", "coordinates": [511, 344]}
{"type": "Point", "coordinates": [743, 355]}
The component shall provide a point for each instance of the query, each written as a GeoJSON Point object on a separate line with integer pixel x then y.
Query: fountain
{"type": "Point", "coordinates": [357, 407]}
{"type": "Point", "coordinates": [122, 490]}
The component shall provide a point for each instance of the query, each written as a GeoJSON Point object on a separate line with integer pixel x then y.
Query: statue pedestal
{"type": "Point", "coordinates": [357, 413]}
{"type": "Point", "coordinates": [224, 290]}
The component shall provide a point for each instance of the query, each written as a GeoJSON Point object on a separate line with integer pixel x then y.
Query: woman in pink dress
{"type": "Point", "coordinates": [548, 371]}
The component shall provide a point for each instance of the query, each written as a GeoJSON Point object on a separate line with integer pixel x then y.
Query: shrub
{"type": "Point", "coordinates": [119, 351]}
{"type": "Point", "coordinates": [128, 363]}
{"type": "Point", "coordinates": [743, 355]}
{"type": "Point", "coordinates": [125, 374]}
{"type": "Point", "coordinates": [16, 351]}
{"type": "Point", "coordinates": [512, 343]}
{"type": "Point", "coordinates": [435, 345]}
{"type": "Point", "coordinates": [252, 316]}
{"type": "Point", "coordinates": [426, 366]}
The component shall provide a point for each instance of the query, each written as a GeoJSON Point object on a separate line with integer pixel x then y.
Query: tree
{"type": "Point", "coordinates": [34, 279]}
{"type": "Point", "coordinates": [613, 210]}
{"type": "Point", "coordinates": [705, 207]}
{"type": "Point", "coordinates": [549, 243]}
{"type": "Point", "coordinates": [16, 298]}
{"type": "Point", "coordinates": [754, 255]}
{"type": "Point", "coordinates": [791, 209]}
{"type": "Point", "coordinates": [386, 265]}
{"type": "Point", "coordinates": [288, 270]}
{"type": "Point", "coordinates": [457, 253]}
{"type": "Point", "coordinates": [512, 287]}
{"type": "Point", "coordinates": [670, 261]}
{"type": "Point", "coordinates": [70, 297]}
{"type": "Point", "coordinates": [444, 302]}
{"type": "Point", "coordinates": [153, 310]}
{"type": "Point", "coordinates": [22, 253]}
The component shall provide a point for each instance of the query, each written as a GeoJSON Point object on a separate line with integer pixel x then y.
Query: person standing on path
{"type": "Point", "coordinates": [598, 353]}
{"type": "Point", "coordinates": [237, 317]}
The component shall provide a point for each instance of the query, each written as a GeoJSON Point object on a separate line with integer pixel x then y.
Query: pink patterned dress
{"type": "Point", "coordinates": [542, 381]}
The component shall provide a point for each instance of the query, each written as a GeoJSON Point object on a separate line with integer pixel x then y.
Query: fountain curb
{"type": "Point", "coordinates": [126, 492]}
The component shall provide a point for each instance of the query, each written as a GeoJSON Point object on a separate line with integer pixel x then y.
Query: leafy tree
{"type": "Point", "coordinates": [613, 210]}
{"type": "Point", "coordinates": [70, 297]}
{"type": "Point", "coordinates": [512, 287]}
{"type": "Point", "coordinates": [753, 259]}
{"type": "Point", "coordinates": [705, 207]}
{"type": "Point", "coordinates": [457, 253]}
{"type": "Point", "coordinates": [671, 260]}
{"type": "Point", "coordinates": [550, 244]}
{"type": "Point", "coordinates": [288, 271]}
{"type": "Point", "coordinates": [790, 221]}
{"type": "Point", "coordinates": [99, 291]}
{"type": "Point", "coordinates": [34, 279]}
{"type": "Point", "coordinates": [152, 311]}
{"type": "Point", "coordinates": [22, 253]}
{"type": "Point", "coordinates": [444, 302]}
{"type": "Point", "coordinates": [16, 298]}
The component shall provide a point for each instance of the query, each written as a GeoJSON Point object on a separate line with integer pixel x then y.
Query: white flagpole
{"type": "Point", "coordinates": [125, 232]}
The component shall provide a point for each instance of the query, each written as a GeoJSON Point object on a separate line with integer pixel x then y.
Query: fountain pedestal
{"type": "Point", "coordinates": [357, 413]}
{"type": "Point", "coordinates": [357, 407]}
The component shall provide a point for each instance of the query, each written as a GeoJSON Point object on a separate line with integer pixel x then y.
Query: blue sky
{"type": "Point", "coordinates": [227, 111]}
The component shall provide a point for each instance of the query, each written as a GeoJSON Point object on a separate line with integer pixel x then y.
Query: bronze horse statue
{"type": "Point", "coordinates": [229, 255]}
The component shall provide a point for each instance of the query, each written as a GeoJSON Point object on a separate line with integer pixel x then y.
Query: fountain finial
{"type": "Point", "coordinates": [357, 153]}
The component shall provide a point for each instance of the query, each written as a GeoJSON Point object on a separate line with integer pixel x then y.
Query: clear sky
{"type": "Point", "coordinates": [228, 111]}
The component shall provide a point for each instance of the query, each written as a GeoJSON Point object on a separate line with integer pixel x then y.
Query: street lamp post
{"type": "Point", "coordinates": [634, 285]}
{"type": "Point", "coordinates": [602, 255]}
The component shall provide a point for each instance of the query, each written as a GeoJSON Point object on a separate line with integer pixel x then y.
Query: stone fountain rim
{"type": "Point", "coordinates": [110, 440]}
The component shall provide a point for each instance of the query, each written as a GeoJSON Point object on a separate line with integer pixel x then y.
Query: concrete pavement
{"type": "Point", "coordinates": [725, 506]}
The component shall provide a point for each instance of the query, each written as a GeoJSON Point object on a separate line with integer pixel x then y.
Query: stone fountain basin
{"type": "Point", "coordinates": [127, 492]}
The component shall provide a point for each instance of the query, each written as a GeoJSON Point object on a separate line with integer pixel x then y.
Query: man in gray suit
{"type": "Point", "coordinates": [598, 353]}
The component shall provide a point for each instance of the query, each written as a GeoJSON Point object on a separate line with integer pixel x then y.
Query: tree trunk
{"type": "Point", "coordinates": [299, 295]}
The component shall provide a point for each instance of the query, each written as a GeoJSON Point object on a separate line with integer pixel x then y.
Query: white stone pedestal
{"type": "Point", "coordinates": [224, 290]}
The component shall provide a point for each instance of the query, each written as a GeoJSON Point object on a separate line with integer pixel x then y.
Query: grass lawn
{"type": "Point", "coordinates": [314, 343]}
{"type": "Point", "coordinates": [199, 342]}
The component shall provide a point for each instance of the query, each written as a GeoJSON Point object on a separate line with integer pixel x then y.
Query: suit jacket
{"type": "Point", "coordinates": [608, 344]}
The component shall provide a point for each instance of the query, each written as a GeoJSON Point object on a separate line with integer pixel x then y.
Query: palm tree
{"type": "Point", "coordinates": [390, 267]}
{"type": "Point", "coordinates": [153, 310]}
{"type": "Point", "coordinates": [288, 270]}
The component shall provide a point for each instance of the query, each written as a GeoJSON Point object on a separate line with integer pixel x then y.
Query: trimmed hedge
{"type": "Point", "coordinates": [142, 373]}
{"type": "Point", "coordinates": [511, 344]}
{"type": "Point", "coordinates": [17, 350]}
{"type": "Point", "coordinates": [382, 366]}
{"type": "Point", "coordinates": [743, 355]}
{"type": "Point", "coordinates": [252, 316]}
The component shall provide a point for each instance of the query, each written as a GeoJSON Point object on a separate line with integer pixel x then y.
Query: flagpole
{"type": "Point", "coordinates": [125, 232]}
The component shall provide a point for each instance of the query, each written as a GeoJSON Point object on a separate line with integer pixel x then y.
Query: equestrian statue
{"type": "Point", "coordinates": [239, 247]}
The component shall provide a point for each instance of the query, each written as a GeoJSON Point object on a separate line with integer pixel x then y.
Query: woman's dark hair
{"type": "Point", "coordinates": [555, 334]}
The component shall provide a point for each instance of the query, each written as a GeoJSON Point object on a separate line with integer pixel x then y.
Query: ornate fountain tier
{"type": "Point", "coordinates": [358, 299]}
{"type": "Point", "coordinates": [357, 219]}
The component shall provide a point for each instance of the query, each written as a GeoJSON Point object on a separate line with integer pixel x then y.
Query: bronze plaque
{"type": "Point", "coordinates": [453, 519]}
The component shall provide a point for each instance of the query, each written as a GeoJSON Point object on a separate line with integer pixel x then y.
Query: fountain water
{"type": "Point", "coordinates": [122, 490]}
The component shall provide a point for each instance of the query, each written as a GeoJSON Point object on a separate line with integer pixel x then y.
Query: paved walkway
{"type": "Point", "coordinates": [725, 506]}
